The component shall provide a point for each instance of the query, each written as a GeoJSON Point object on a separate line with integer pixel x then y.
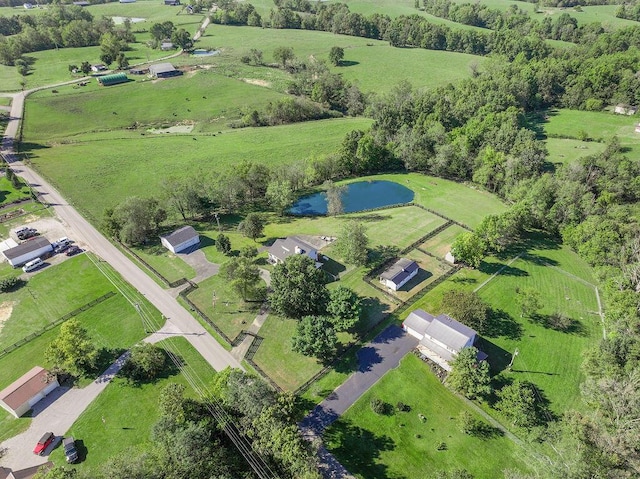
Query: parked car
{"type": "Point", "coordinates": [70, 451]}
{"type": "Point", "coordinates": [73, 250]}
{"type": "Point", "coordinates": [61, 248]}
{"type": "Point", "coordinates": [44, 443]}
{"type": "Point", "coordinates": [27, 233]}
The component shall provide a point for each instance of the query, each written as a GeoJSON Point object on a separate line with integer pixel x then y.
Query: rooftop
{"type": "Point", "coordinates": [26, 247]}
{"type": "Point", "coordinates": [24, 388]}
{"type": "Point", "coordinates": [283, 248]}
{"type": "Point", "coordinates": [161, 68]}
{"type": "Point", "coordinates": [400, 270]}
{"type": "Point", "coordinates": [181, 235]}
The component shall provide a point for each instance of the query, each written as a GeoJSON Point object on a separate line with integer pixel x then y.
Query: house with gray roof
{"type": "Point", "coordinates": [399, 274]}
{"type": "Point", "coordinates": [25, 252]}
{"type": "Point", "coordinates": [441, 337]}
{"type": "Point", "coordinates": [281, 249]}
{"type": "Point", "coordinates": [180, 239]}
{"type": "Point", "coordinates": [163, 70]}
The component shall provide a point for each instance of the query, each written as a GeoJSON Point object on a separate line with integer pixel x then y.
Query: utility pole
{"type": "Point", "coordinates": [217, 220]}
{"type": "Point", "coordinates": [513, 356]}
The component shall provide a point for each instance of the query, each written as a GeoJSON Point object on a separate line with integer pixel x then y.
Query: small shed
{"type": "Point", "coordinates": [172, 3]}
{"type": "Point", "coordinates": [82, 4]}
{"type": "Point", "coordinates": [139, 70]}
{"type": "Point", "coordinates": [127, 1]}
{"type": "Point", "coordinates": [108, 80]}
{"type": "Point", "coordinates": [180, 239]}
{"type": "Point", "coordinates": [449, 258]}
{"type": "Point", "coordinates": [163, 70]}
{"type": "Point", "coordinates": [165, 46]}
{"type": "Point", "coordinates": [399, 274]}
{"type": "Point", "coordinates": [20, 396]}
{"type": "Point", "coordinates": [98, 68]}
{"type": "Point", "coordinates": [27, 251]}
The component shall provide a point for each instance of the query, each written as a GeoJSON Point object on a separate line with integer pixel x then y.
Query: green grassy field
{"type": "Point", "coordinates": [217, 299]}
{"type": "Point", "coordinates": [372, 64]}
{"type": "Point", "coordinates": [401, 445]}
{"type": "Point", "coordinates": [565, 123]}
{"type": "Point", "coordinates": [8, 193]}
{"type": "Point", "coordinates": [50, 294]}
{"type": "Point", "coordinates": [91, 174]}
{"type": "Point", "coordinates": [164, 261]}
{"type": "Point", "coordinates": [129, 412]}
{"type": "Point", "coordinates": [205, 99]}
{"type": "Point", "coordinates": [566, 150]}
{"type": "Point", "coordinates": [549, 358]}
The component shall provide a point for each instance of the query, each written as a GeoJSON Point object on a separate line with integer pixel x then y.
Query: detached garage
{"type": "Point", "coordinates": [180, 239]}
{"type": "Point", "coordinates": [24, 393]}
{"type": "Point", "coordinates": [27, 251]}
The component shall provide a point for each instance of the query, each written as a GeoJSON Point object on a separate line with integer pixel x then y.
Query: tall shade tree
{"type": "Point", "coordinates": [243, 274]}
{"type": "Point", "coordinates": [344, 308]}
{"type": "Point", "coordinates": [467, 307]}
{"type": "Point", "coordinates": [517, 401]}
{"type": "Point", "coordinates": [283, 55]}
{"type": "Point", "coordinates": [252, 226]}
{"type": "Point", "coordinates": [315, 337]}
{"type": "Point", "coordinates": [352, 243]}
{"type": "Point", "coordinates": [468, 376]}
{"type": "Point", "coordinates": [336, 54]}
{"type": "Point", "coordinates": [298, 288]}
{"type": "Point", "coordinates": [529, 300]}
{"type": "Point", "coordinates": [72, 351]}
{"type": "Point", "coordinates": [468, 248]}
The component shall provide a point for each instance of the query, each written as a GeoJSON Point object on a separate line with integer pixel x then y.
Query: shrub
{"type": "Point", "coordinates": [378, 406]}
{"type": "Point", "coordinates": [402, 407]}
{"type": "Point", "coordinates": [442, 446]}
{"type": "Point", "coordinates": [9, 284]}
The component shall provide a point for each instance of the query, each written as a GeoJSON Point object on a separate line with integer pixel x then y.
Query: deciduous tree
{"type": "Point", "coordinates": [529, 300]}
{"type": "Point", "coordinates": [468, 376]}
{"type": "Point", "coordinates": [72, 350]}
{"type": "Point", "coordinates": [283, 55]}
{"type": "Point", "coordinates": [315, 337]}
{"type": "Point", "coordinates": [252, 226]}
{"type": "Point", "coordinates": [336, 54]}
{"type": "Point", "coordinates": [244, 276]}
{"type": "Point", "coordinates": [467, 307]}
{"type": "Point", "coordinates": [352, 243]}
{"type": "Point", "coordinates": [344, 308]}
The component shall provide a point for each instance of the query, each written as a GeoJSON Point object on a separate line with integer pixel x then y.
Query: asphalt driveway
{"type": "Point", "coordinates": [374, 360]}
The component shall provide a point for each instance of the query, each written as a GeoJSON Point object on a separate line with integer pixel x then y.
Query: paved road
{"type": "Point", "coordinates": [374, 360]}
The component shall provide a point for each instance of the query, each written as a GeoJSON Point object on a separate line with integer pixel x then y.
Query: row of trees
{"type": "Point", "coordinates": [62, 26]}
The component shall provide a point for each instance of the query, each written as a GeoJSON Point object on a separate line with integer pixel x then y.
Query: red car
{"type": "Point", "coordinates": [44, 443]}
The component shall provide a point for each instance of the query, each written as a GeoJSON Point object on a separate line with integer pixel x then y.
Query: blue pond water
{"type": "Point", "coordinates": [359, 196]}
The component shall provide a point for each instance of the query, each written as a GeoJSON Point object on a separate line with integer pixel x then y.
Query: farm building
{"type": "Point", "coordinates": [82, 4]}
{"type": "Point", "coordinates": [165, 46]}
{"type": "Point", "coordinates": [449, 258]}
{"type": "Point", "coordinates": [163, 70]}
{"type": "Point", "coordinates": [399, 274]}
{"type": "Point", "coordinates": [281, 249]}
{"type": "Point", "coordinates": [180, 239]}
{"type": "Point", "coordinates": [441, 337]}
{"type": "Point", "coordinates": [172, 3]}
{"type": "Point", "coordinates": [98, 68]}
{"type": "Point", "coordinates": [32, 249]}
{"type": "Point", "coordinates": [127, 1]}
{"type": "Point", "coordinates": [108, 80]}
{"type": "Point", "coordinates": [139, 70]}
{"type": "Point", "coordinates": [622, 109]}
{"type": "Point", "coordinates": [25, 392]}
{"type": "Point", "coordinates": [27, 473]}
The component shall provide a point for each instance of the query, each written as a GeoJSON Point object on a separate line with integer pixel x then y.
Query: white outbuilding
{"type": "Point", "coordinates": [25, 392]}
{"type": "Point", "coordinates": [180, 239]}
{"type": "Point", "coordinates": [25, 252]}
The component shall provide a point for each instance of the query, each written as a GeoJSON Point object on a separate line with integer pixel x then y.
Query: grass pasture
{"type": "Point", "coordinates": [565, 150]}
{"type": "Point", "coordinates": [169, 265]}
{"type": "Point", "coordinates": [8, 193]}
{"type": "Point", "coordinates": [599, 126]}
{"type": "Point", "coordinates": [129, 412]}
{"type": "Point", "coordinates": [440, 244]}
{"type": "Point", "coordinates": [372, 64]}
{"type": "Point", "coordinates": [401, 445]}
{"type": "Point", "coordinates": [91, 176]}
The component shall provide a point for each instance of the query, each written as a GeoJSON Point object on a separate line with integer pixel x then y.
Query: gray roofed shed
{"type": "Point", "coordinates": [399, 273]}
{"type": "Point", "coordinates": [180, 239]}
{"type": "Point", "coordinates": [163, 70]}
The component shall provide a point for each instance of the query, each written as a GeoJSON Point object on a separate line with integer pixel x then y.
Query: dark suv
{"type": "Point", "coordinates": [27, 233]}
{"type": "Point", "coordinates": [70, 451]}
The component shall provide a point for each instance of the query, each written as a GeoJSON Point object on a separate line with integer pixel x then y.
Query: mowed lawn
{"type": "Point", "coordinates": [401, 445]}
{"type": "Point", "coordinates": [129, 412]}
{"type": "Point", "coordinates": [50, 294]}
{"type": "Point", "coordinates": [96, 175]}
{"type": "Point", "coordinates": [198, 99]}
{"type": "Point", "coordinates": [373, 65]}
{"type": "Point", "coordinates": [8, 193]}
{"type": "Point", "coordinates": [565, 150]}
{"type": "Point", "coordinates": [566, 123]}
{"type": "Point", "coordinates": [549, 358]}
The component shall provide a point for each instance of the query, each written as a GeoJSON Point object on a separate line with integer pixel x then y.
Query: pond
{"type": "Point", "coordinates": [362, 195]}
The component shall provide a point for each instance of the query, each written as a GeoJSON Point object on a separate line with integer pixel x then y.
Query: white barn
{"type": "Point", "coordinates": [20, 396]}
{"type": "Point", "coordinates": [441, 337]}
{"type": "Point", "coordinates": [180, 239]}
{"type": "Point", "coordinates": [25, 252]}
{"type": "Point", "coordinates": [399, 274]}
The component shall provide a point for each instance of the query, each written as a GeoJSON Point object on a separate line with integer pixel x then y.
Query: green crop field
{"type": "Point", "coordinates": [97, 175]}
{"type": "Point", "coordinates": [129, 412]}
{"type": "Point", "coordinates": [400, 444]}
{"type": "Point", "coordinates": [372, 64]}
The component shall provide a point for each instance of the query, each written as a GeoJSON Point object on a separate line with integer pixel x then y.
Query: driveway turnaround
{"type": "Point", "coordinates": [374, 360]}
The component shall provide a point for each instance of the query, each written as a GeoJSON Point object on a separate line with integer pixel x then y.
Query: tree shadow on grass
{"type": "Point", "coordinates": [559, 322]}
{"type": "Point", "coordinates": [357, 449]}
{"type": "Point", "coordinates": [381, 254]}
{"type": "Point", "coordinates": [498, 358]}
{"type": "Point", "coordinates": [500, 323]}
{"type": "Point", "coordinates": [505, 270]}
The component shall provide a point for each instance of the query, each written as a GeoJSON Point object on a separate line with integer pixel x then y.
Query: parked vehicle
{"type": "Point", "coordinates": [32, 265]}
{"type": "Point", "coordinates": [70, 451]}
{"type": "Point", "coordinates": [61, 248]}
{"type": "Point", "coordinates": [27, 233]}
{"type": "Point", "coordinates": [44, 443]}
{"type": "Point", "coordinates": [73, 250]}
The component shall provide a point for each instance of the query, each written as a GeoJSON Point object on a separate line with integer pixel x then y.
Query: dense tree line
{"type": "Point", "coordinates": [62, 26]}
